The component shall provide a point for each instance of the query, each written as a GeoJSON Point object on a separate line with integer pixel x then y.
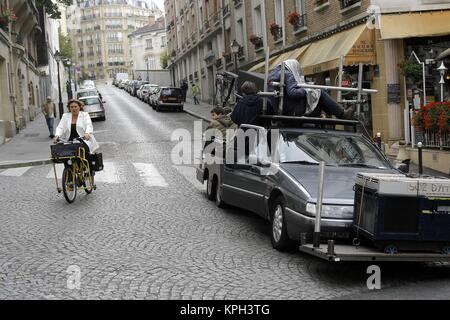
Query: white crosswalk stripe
{"type": "Point", "coordinates": [150, 175]}
{"type": "Point", "coordinates": [147, 172]}
{"type": "Point", "coordinates": [110, 174]}
{"type": "Point", "coordinates": [59, 171]}
{"type": "Point", "coordinates": [14, 172]}
{"type": "Point", "coordinates": [189, 173]}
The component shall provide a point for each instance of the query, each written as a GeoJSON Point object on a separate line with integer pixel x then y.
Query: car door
{"type": "Point", "coordinates": [244, 182]}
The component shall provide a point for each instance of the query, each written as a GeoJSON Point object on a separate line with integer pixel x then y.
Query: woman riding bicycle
{"type": "Point", "coordinates": [75, 124]}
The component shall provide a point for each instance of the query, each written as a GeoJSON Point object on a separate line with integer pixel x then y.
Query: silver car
{"type": "Point", "coordinates": [94, 106]}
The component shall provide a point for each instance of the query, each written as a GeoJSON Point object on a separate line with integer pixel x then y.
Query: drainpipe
{"type": "Point", "coordinates": [283, 24]}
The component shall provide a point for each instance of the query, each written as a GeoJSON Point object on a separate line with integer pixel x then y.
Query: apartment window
{"type": "Point", "coordinates": [163, 42]}
{"type": "Point", "coordinates": [300, 6]}
{"type": "Point", "coordinates": [278, 13]}
{"type": "Point", "coordinates": [151, 62]}
{"type": "Point", "coordinates": [240, 36]}
{"type": "Point", "coordinates": [258, 21]}
{"type": "Point", "coordinates": [149, 44]}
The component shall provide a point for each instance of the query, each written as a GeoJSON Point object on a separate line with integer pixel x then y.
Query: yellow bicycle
{"type": "Point", "coordinates": [77, 171]}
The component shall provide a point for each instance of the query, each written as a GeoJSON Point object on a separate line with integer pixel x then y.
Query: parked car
{"type": "Point", "coordinates": [169, 98]}
{"type": "Point", "coordinates": [136, 87]}
{"type": "Point", "coordinates": [287, 196]}
{"type": "Point", "coordinates": [88, 93]}
{"type": "Point", "coordinates": [151, 95]}
{"type": "Point", "coordinates": [95, 107]}
{"type": "Point", "coordinates": [146, 90]}
{"type": "Point", "coordinates": [123, 83]}
{"type": "Point", "coordinates": [88, 84]}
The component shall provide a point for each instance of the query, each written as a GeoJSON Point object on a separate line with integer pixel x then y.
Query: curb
{"type": "Point", "coordinates": [197, 115]}
{"type": "Point", "coordinates": [32, 163]}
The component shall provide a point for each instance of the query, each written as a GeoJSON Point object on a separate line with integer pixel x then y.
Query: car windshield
{"type": "Point", "coordinates": [90, 101]}
{"type": "Point", "coordinates": [335, 150]}
{"type": "Point", "coordinates": [87, 94]}
{"type": "Point", "coordinates": [172, 92]}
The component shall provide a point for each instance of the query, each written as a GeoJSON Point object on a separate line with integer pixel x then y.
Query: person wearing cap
{"type": "Point", "coordinates": [49, 111]}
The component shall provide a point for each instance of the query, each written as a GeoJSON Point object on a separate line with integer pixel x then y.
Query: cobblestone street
{"type": "Point", "coordinates": [149, 232]}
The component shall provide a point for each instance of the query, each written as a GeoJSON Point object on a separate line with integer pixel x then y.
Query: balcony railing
{"type": "Point", "coordinates": [226, 10]}
{"type": "Point", "coordinates": [301, 23]}
{"type": "Point", "coordinates": [348, 3]}
{"type": "Point", "coordinates": [228, 58]}
{"type": "Point", "coordinates": [241, 52]}
{"type": "Point", "coordinates": [434, 139]}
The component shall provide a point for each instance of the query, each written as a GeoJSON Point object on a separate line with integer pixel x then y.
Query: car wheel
{"type": "Point", "coordinates": [279, 237]}
{"type": "Point", "coordinates": [157, 108]}
{"type": "Point", "coordinates": [210, 189]}
{"type": "Point", "coordinates": [218, 195]}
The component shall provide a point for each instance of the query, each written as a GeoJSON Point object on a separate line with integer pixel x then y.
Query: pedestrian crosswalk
{"type": "Point", "coordinates": [118, 172]}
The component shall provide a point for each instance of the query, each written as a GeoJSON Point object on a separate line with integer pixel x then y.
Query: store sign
{"type": "Point", "coordinates": [393, 93]}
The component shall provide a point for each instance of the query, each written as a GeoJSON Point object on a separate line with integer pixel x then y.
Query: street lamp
{"type": "Point", "coordinates": [69, 86]}
{"type": "Point", "coordinates": [442, 69]}
{"type": "Point", "coordinates": [235, 47]}
{"type": "Point", "coordinates": [57, 57]}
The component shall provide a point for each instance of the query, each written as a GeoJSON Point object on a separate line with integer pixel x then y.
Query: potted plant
{"type": "Point", "coordinates": [255, 40]}
{"type": "Point", "coordinates": [274, 29]}
{"type": "Point", "coordinates": [6, 17]}
{"type": "Point", "coordinates": [434, 116]}
{"type": "Point", "coordinates": [411, 70]}
{"type": "Point", "coordinates": [293, 18]}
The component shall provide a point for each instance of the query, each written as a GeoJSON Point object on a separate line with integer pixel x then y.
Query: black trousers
{"type": "Point", "coordinates": [328, 105]}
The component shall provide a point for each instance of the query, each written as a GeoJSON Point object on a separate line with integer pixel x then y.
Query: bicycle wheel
{"type": "Point", "coordinates": [69, 184]}
{"type": "Point", "coordinates": [88, 182]}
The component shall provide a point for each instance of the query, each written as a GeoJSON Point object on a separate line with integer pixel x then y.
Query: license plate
{"type": "Point", "coordinates": [172, 99]}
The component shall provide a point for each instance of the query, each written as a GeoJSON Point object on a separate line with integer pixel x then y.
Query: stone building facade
{"type": "Point", "coordinates": [99, 31]}
{"type": "Point", "coordinates": [24, 64]}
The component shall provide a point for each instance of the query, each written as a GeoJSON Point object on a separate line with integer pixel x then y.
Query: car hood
{"type": "Point", "coordinates": [338, 181]}
{"type": "Point", "coordinates": [93, 108]}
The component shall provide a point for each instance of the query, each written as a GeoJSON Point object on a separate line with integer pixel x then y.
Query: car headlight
{"type": "Point", "coordinates": [331, 211]}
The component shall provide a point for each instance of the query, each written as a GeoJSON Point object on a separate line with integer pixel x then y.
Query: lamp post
{"type": "Point", "coordinates": [235, 46]}
{"type": "Point", "coordinates": [442, 69]}
{"type": "Point", "coordinates": [69, 87]}
{"type": "Point", "coordinates": [148, 79]}
{"type": "Point", "coordinates": [57, 57]}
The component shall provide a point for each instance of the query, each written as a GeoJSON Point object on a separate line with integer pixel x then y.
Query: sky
{"type": "Point", "coordinates": [160, 4]}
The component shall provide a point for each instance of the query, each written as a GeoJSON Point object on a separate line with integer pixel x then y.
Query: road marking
{"type": "Point", "coordinates": [15, 172]}
{"type": "Point", "coordinates": [110, 174]}
{"type": "Point", "coordinates": [190, 174]}
{"type": "Point", "coordinates": [150, 175]}
{"type": "Point", "coordinates": [59, 171]}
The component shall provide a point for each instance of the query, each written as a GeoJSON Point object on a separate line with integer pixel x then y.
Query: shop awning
{"type": "Point", "coordinates": [274, 61]}
{"type": "Point", "coordinates": [410, 25]}
{"type": "Point", "coordinates": [443, 55]}
{"type": "Point", "coordinates": [357, 45]}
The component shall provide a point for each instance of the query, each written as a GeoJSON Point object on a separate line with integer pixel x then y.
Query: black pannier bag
{"type": "Point", "coordinates": [64, 150]}
{"type": "Point", "coordinates": [97, 161]}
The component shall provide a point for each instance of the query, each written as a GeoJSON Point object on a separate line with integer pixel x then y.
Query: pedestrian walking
{"type": "Point", "coordinates": [49, 111]}
{"type": "Point", "coordinates": [195, 93]}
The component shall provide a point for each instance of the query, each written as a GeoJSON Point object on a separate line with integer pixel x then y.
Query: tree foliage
{"type": "Point", "coordinates": [164, 60]}
{"type": "Point", "coordinates": [51, 8]}
{"type": "Point", "coordinates": [65, 46]}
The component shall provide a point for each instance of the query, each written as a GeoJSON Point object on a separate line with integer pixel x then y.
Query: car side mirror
{"type": "Point", "coordinates": [403, 166]}
{"type": "Point", "coordinates": [103, 101]}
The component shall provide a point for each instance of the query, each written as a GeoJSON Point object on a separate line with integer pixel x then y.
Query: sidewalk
{"type": "Point", "coordinates": [29, 147]}
{"type": "Point", "coordinates": [202, 110]}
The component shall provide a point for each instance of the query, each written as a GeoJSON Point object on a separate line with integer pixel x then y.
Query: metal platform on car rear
{"type": "Point", "coordinates": [362, 253]}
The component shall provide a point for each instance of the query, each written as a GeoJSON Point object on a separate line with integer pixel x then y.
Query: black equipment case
{"type": "Point", "coordinates": [395, 212]}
